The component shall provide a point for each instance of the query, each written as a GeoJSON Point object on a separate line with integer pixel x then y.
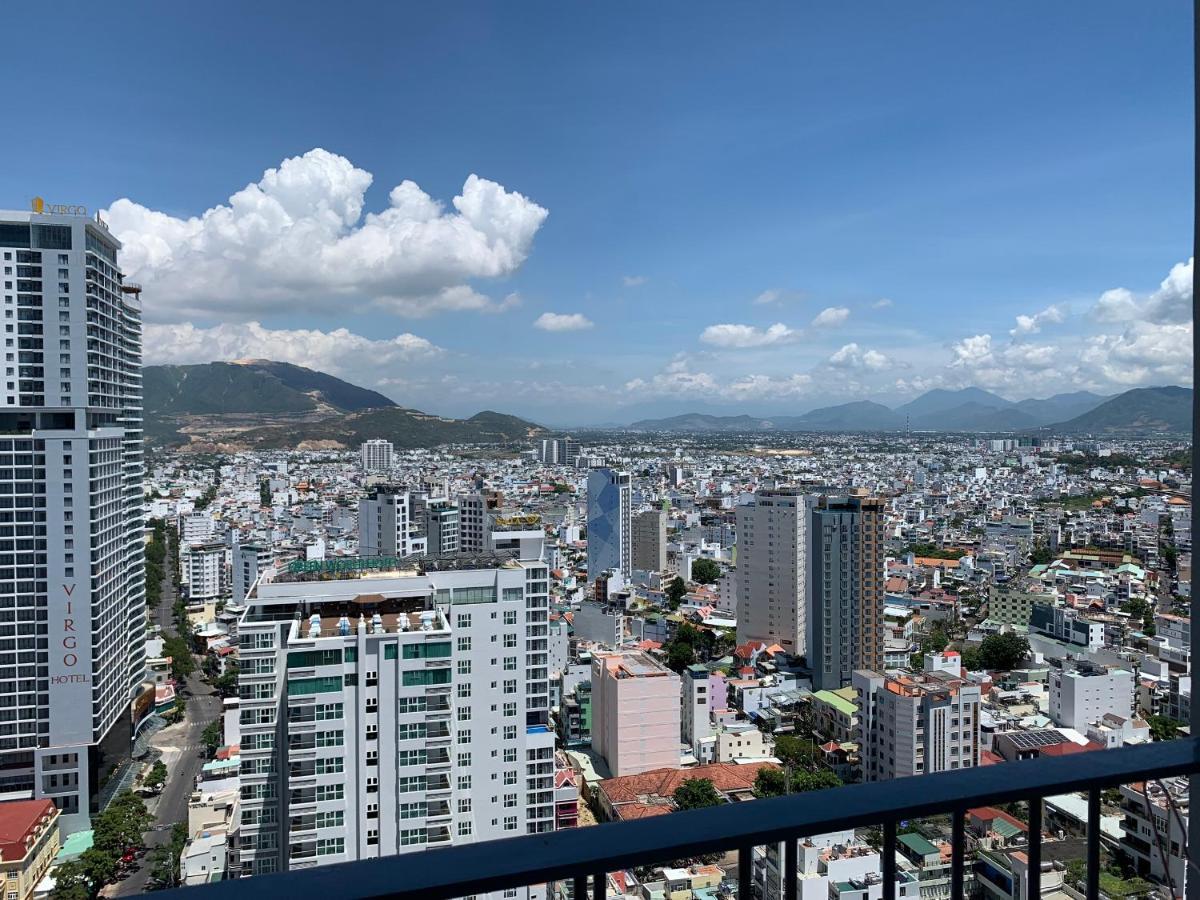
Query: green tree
{"type": "Point", "coordinates": [936, 641]}
{"type": "Point", "coordinates": [1003, 651]}
{"type": "Point", "coordinates": [71, 882]}
{"type": "Point", "coordinates": [776, 782]}
{"type": "Point", "coordinates": [264, 493]}
{"type": "Point", "coordinates": [226, 683]}
{"type": "Point", "coordinates": [212, 737]}
{"type": "Point", "coordinates": [1163, 728]}
{"type": "Point", "coordinates": [676, 591]}
{"type": "Point", "coordinates": [770, 782]}
{"type": "Point", "coordinates": [1076, 872]}
{"type": "Point", "coordinates": [680, 656]}
{"type": "Point", "coordinates": [972, 659]}
{"type": "Point", "coordinates": [182, 662]}
{"type": "Point", "coordinates": [1041, 554]}
{"type": "Point", "coordinates": [157, 776]}
{"type": "Point", "coordinates": [705, 571]}
{"type": "Point", "coordinates": [696, 793]}
{"type": "Point", "coordinates": [814, 781]}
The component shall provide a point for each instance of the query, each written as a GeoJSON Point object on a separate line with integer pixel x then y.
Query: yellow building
{"type": "Point", "coordinates": [28, 844]}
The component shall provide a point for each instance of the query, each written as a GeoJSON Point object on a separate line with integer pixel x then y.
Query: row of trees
{"type": "Point", "coordinates": [116, 831]}
{"type": "Point", "coordinates": [156, 555]}
{"type": "Point", "coordinates": [698, 793]}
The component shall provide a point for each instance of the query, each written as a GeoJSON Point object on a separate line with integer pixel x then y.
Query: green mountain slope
{"type": "Point", "coordinates": [405, 428]}
{"type": "Point", "coordinates": [255, 386]}
{"type": "Point", "coordinates": [1135, 412]}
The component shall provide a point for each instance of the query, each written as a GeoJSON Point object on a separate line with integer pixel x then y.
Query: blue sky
{"type": "Point", "coordinates": [754, 207]}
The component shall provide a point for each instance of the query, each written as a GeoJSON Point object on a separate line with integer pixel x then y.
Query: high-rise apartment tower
{"type": "Point", "coordinates": [72, 651]}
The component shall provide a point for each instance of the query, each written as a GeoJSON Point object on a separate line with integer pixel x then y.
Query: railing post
{"type": "Point", "coordinates": [889, 861]}
{"type": "Point", "coordinates": [957, 851]}
{"type": "Point", "coordinates": [599, 885]}
{"type": "Point", "coordinates": [579, 888]}
{"type": "Point", "coordinates": [1034, 854]}
{"type": "Point", "coordinates": [1093, 845]}
{"type": "Point", "coordinates": [791, 863]}
{"type": "Point", "coordinates": [746, 872]}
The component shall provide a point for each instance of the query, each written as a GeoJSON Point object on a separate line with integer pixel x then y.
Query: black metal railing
{"type": "Point", "coordinates": [583, 856]}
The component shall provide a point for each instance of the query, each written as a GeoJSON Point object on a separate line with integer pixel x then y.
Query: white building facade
{"type": "Point", "coordinates": [71, 563]}
{"type": "Point", "coordinates": [376, 457]}
{"type": "Point", "coordinates": [397, 713]}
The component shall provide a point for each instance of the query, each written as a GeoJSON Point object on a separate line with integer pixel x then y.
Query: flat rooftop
{"type": "Point", "coordinates": [350, 567]}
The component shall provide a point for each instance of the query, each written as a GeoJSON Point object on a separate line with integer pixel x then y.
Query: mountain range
{"type": "Point", "coordinates": [267, 404]}
{"type": "Point", "coordinates": [1137, 411]}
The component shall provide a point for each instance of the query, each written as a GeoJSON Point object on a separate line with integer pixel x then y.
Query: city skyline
{"type": "Point", "coordinates": [605, 245]}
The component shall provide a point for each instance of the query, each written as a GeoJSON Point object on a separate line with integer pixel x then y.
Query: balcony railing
{"type": "Point", "coordinates": [583, 856]}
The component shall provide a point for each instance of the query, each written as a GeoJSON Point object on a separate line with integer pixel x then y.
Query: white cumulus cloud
{"type": "Point", "coordinates": [1033, 324]}
{"type": "Point", "coordinates": [550, 321]}
{"type": "Point", "coordinates": [882, 303]}
{"type": "Point", "coordinates": [744, 336]}
{"type": "Point", "coordinates": [1170, 304]}
{"type": "Point", "coordinates": [338, 352]}
{"type": "Point", "coordinates": [830, 316]}
{"type": "Point", "coordinates": [768, 296]}
{"type": "Point", "coordinates": [634, 280]}
{"type": "Point", "coordinates": [851, 356]}
{"type": "Point", "coordinates": [298, 239]}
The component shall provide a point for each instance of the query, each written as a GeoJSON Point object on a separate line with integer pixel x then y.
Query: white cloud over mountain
{"type": "Point", "coordinates": [298, 239]}
{"type": "Point", "coordinates": [339, 352]}
{"type": "Point", "coordinates": [851, 356]}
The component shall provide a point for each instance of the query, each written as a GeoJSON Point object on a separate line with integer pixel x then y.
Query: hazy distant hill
{"type": "Point", "coordinates": [861, 415]}
{"type": "Point", "coordinates": [940, 400]}
{"type": "Point", "coordinates": [966, 410]}
{"type": "Point", "coordinates": [974, 416]}
{"type": "Point", "coordinates": [1060, 407]}
{"type": "Point", "coordinates": [700, 422]}
{"type": "Point", "coordinates": [1139, 411]}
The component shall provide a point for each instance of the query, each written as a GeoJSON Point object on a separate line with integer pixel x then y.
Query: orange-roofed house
{"type": "Point", "coordinates": [28, 844]}
{"type": "Point", "coordinates": [651, 793]}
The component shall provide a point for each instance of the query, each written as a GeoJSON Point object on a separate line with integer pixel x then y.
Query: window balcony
{"type": "Point", "coordinates": [583, 856]}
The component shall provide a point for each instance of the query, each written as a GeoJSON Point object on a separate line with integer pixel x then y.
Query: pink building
{"type": "Point", "coordinates": [635, 712]}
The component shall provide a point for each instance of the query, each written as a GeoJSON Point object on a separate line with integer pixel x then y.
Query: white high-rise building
{"type": "Point", "coordinates": [249, 561]}
{"type": "Point", "coordinates": [376, 456]}
{"type": "Point", "coordinates": [71, 462]}
{"type": "Point", "coordinates": [558, 451]}
{"type": "Point", "coordinates": [195, 527]}
{"type": "Point", "coordinates": [609, 523]}
{"type": "Point", "coordinates": [1084, 692]}
{"type": "Point", "coordinates": [387, 525]}
{"type": "Point", "coordinates": [772, 568]}
{"type": "Point", "coordinates": [395, 713]}
{"type": "Point", "coordinates": [914, 723]}
{"type": "Point", "coordinates": [205, 572]}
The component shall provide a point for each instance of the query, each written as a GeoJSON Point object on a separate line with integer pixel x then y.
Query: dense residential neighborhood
{"type": "Point", "coordinates": [983, 601]}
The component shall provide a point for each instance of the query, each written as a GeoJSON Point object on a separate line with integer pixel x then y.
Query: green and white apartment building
{"type": "Point", "coordinates": [396, 707]}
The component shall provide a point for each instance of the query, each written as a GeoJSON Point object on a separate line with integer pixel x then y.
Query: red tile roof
{"type": "Point", "coordinates": [649, 793]}
{"type": "Point", "coordinates": [19, 821]}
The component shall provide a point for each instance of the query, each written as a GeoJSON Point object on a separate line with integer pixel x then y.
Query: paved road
{"type": "Point", "coordinates": [182, 753]}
